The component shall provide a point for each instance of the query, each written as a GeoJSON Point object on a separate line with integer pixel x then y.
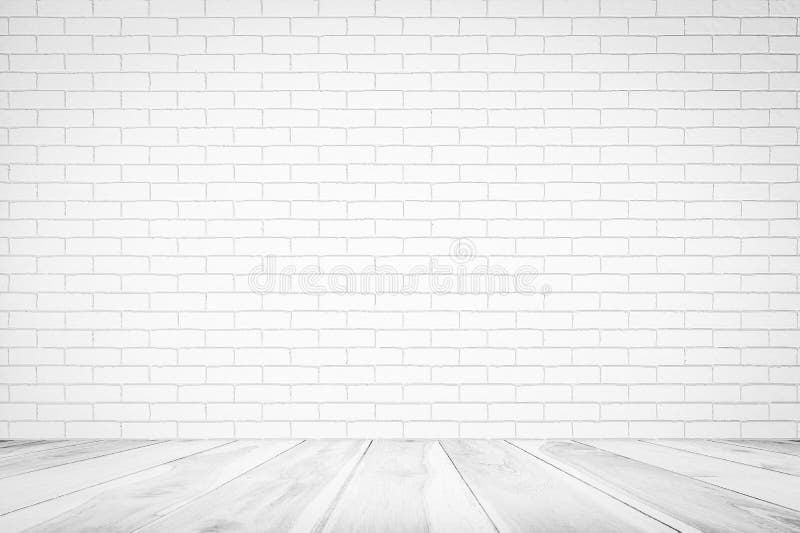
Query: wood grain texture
{"type": "Point", "coordinates": [35, 487]}
{"type": "Point", "coordinates": [291, 493]}
{"type": "Point", "coordinates": [774, 487]}
{"type": "Point", "coordinates": [778, 462]}
{"type": "Point", "coordinates": [21, 464]}
{"type": "Point", "coordinates": [400, 486]}
{"type": "Point", "coordinates": [521, 493]}
{"type": "Point", "coordinates": [789, 447]}
{"type": "Point", "coordinates": [407, 486]}
{"type": "Point", "coordinates": [139, 499]}
{"type": "Point", "coordinates": [36, 446]}
{"type": "Point", "coordinates": [11, 442]}
{"type": "Point", "coordinates": [693, 502]}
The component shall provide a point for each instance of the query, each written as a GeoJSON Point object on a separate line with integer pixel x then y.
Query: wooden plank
{"type": "Point", "coordinates": [522, 493]}
{"type": "Point", "coordinates": [698, 505]}
{"type": "Point", "coordinates": [775, 487]}
{"type": "Point", "coordinates": [12, 446]}
{"type": "Point", "coordinates": [407, 486]}
{"type": "Point", "coordinates": [293, 492]}
{"type": "Point", "coordinates": [12, 442]}
{"type": "Point", "coordinates": [136, 500]}
{"type": "Point", "coordinates": [36, 487]}
{"type": "Point", "coordinates": [35, 446]}
{"type": "Point", "coordinates": [21, 464]}
{"type": "Point", "coordinates": [777, 462]}
{"type": "Point", "coordinates": [778, 446]}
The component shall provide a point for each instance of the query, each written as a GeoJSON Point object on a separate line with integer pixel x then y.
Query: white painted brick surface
{"type": "Point", "coordinates": [633, 164]}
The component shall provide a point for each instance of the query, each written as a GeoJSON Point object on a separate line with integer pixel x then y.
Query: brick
{"type": "Point", "coordinates": [636, 157]}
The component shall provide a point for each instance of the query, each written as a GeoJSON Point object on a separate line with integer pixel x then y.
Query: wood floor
{"type": "Point", "coordinates": [395, 486]}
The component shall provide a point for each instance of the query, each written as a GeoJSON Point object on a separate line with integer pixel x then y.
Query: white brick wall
{"type": "Point", "coordinates": [641, 156]}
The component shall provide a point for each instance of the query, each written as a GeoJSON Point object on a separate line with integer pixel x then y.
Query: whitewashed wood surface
{"type": "Point", "coordinates": [35, 487]}
{"type": "Point", "coordinates": [138, 499]}
{"type": "Point", "coordinates": [289, 494]}
{"type": "Point", "coordinates": [521, 493]}
{"type": "Point", "coordinates": [778, 446]}
{"type": "Point", "coordinates": [765, 459]}
{"type": "Point", "coordinates": [776, 487]}
{"type": "Point", "coordinates": [682, 501]}
{"type": "Point", "coordinates": [29, 462]}
{"type": "Point", "coordinates": [407, 486]}
{"type": "Point", "coordinates": [400, 486]}
{"type": "Point", "coordinates": [16, 448]}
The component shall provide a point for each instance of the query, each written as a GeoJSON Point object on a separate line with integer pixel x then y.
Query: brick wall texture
{"type": "Point", "coordinates": [386, 218]}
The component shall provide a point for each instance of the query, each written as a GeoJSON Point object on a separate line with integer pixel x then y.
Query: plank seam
{"type": "Point", "coordinates": [183, 504]}
{"type": "Point", "coordinates": [701, 480]}
{"type": "Point", "coordinates": [735, 443]}
{"type": "Point", "coordinates": [488, 517]}
{"type": "Point", "coordinates": [11, 442]}
{"type": "Point", "coordinates": [15, 455]}
{"type": "Point", "coordinates": [720, 458]}
{"type": "Point", "coordinates": [14, 443]}
{"type": "Point", "coordinates": [323, 520]}
{"type": "Point", "coordinates": [616, 494]}
{"type": "Point", "coordinates": [115, 478]}
{"type": "Point", "coordinates": [79, 460]}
